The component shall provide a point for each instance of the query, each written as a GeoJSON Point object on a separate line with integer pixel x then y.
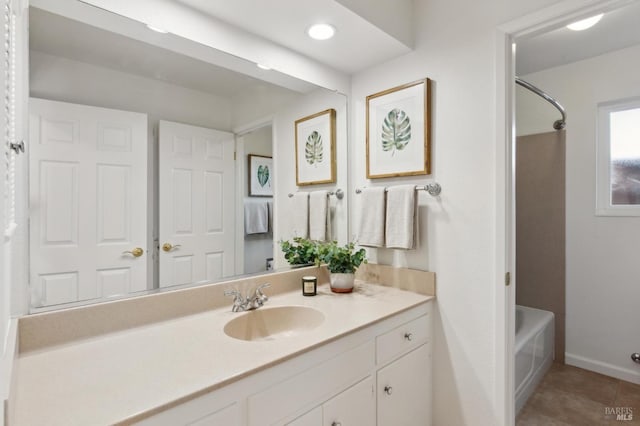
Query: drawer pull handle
{"type": "Point", "coordinates": [388, 390]}
{"type": "Point", "coordinates": [336, 424]}
{"type": "Point", "coordinates": [408, 337]}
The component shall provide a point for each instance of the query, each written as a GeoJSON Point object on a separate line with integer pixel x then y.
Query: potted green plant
{"type": "Point", "coordinates": [342, 262]}
{"type": "Point", "coordinates": [300, 251]}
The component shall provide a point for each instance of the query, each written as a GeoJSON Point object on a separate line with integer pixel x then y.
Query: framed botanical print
{"type": "Point", "coordinates": [399, 131]}
{"type": "Point", "coordinates": [315, 148]}
{"type": "Point", "coordinates": [260, 176]}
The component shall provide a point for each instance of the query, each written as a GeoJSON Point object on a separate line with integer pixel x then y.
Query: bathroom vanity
{"type": "Point", "coordinates": [331, 359]}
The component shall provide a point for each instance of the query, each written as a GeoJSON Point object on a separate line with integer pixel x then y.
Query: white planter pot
{"type": "Point", "coordinates": [342, 283]}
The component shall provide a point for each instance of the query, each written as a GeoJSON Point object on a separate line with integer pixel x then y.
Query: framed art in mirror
{"type": "Point", "coordinates": [399, 131]}
{"type": "Point", "coordinates": [315, 148]}
{"type": "Point", "coordinates": [260, 176]}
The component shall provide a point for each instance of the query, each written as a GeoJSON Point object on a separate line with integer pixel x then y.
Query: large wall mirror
{"type": "Point", "coordinates": [139, 159]}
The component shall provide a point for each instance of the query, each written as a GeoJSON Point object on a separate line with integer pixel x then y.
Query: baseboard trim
{"type": "Point", "coordinates": [603, 368]}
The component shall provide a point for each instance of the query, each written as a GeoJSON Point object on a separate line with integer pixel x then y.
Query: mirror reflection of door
{"type": "Point", "coordinates": [197, 207]}
{"type": "Point", "coordinates": [257, 206]}
{"type": "Point", "coordinates": [88, 185]}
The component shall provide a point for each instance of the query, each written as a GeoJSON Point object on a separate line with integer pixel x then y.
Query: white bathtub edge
{"type": "Point", "coordinates": [534, 381]}
{"type": "Point", "coordinates": [537, 325]}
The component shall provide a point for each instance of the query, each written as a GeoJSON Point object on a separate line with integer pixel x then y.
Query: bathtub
{"type": "Point", "coordinates": [533, 350]}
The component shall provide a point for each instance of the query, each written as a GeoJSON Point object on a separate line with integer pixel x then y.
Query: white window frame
{"type": "Point", "coordinates": [603, 160]}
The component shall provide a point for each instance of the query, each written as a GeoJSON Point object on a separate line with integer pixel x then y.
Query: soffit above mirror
{"type": "Point", "coordinates": [63, 37]}
{"type": "Point", "coordinates": [189, 36]}
{"type": "Point", "coordinates": [366, 33]}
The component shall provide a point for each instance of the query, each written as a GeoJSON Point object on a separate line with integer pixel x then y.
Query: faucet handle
{"type": "Point", "coordinates": [238, 301]}
{"type": "Point", "coordinates": [259, 295]}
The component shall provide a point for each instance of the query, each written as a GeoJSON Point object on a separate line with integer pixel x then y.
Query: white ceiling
{"type": "Point", "coordinates": [358, 43]}
{"type": "Point", "coordinates": [616, 30]}
{"type": "Point", "coordinates": [60, 36]}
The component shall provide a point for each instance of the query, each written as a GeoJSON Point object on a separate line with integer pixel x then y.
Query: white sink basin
{"type": "Point", "coordinates": [273, 323]}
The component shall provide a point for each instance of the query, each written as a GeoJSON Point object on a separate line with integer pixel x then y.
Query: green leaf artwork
{"type": "Point", "coordinates": [263, 175]}
{"type": "Point", "coordinates": [313, 148]}
{"type": "Point", "coordinates": [396, 131]}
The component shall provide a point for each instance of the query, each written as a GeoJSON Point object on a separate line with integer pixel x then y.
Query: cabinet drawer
{"type": "Point", "coordinates": [312, 386]}
{"type": "Point", "coordinates": [403, 338]}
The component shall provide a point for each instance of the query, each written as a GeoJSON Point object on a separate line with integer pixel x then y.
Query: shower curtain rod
{"type": "Point", "coordinates": [558, 124]}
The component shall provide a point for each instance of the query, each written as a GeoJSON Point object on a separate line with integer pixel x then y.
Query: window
{"type": "Point", "coordinates": [618, 186]}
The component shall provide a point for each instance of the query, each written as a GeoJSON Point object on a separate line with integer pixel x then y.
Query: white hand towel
{"type": "Point", "coordinates": [300, 214]}
{"type": "Point", "coordinates": [372, 210]}
{"type": "Point", "coordinates": [270, 213]}
{"type": "Point", "coordinates": [401, 217]}
{"type": "Point", "coordinates": [318, 214]}
{"type": "Point", "coordinates": [256, 217]}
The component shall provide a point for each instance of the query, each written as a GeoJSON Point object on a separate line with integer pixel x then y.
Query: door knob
{"type": "Point", "coordinates": [168, 247]}
{"type": "Point", "coordinates": [136, 252]}
{"type": "Point", "coordinates": [388, 390]}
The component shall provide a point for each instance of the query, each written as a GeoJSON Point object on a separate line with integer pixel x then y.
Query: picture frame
{"type": "Point", "coordinates": [260, 176]}
{"type": "Point", "coordinates": [315, 148]}
{"type": "Point", "coordinates": [398, 131]}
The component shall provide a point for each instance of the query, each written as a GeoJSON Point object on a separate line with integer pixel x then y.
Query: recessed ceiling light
{"type": "Point", "coordinates": [585, 23]}
{"type": "Point", "coordinates": [321, 31]}
{"type": "Point", "coordinates": [263, 67]}
{"type": "Point", "coordinates": [157, 29]}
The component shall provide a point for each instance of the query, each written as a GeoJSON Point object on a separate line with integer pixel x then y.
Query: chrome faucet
{"type": "Point", "coordinates": [241, 303]}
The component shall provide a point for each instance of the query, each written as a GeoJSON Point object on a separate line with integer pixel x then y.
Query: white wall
{"type": "Point", "coordinates": [602, 252]}
{"type": "Point", "coordinates": [257, 247]}
{"type": "Point", "coordinates": [247, 108]}
{"type": "Point", "coordinates": [455, 46]}
{"type": "Point", "coordinates": [284, 164]}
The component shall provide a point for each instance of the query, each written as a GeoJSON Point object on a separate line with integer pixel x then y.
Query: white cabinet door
{"type": "Point", "coordinates": [197, 208]}
{"type": "Point", "coordinates": [87, 201]}
{"type": "Point", "coordinates": [404, 390]}
{"type": "Point", "coordinates": [353, 407]}
{"type": "Point", "coordinates": [312, 418]}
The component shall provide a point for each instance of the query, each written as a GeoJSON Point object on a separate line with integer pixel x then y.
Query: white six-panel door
{"type": "Point", "coordinates": [88, 201]}
{"type": "Point", "coordinates": [197, 187]}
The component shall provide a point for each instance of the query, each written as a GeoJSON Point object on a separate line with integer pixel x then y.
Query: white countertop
{"type": "Point", "coordinates": [113, 377]}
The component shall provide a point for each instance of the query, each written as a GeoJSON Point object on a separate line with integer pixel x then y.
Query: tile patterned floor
{"type": "Point", "coordinates": [571, 396]}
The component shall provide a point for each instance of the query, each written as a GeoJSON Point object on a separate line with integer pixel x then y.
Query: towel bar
{"type": "Point", "coordinates": [339, 193]}
{"type": "Point", "coordinates": [433, 189]}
